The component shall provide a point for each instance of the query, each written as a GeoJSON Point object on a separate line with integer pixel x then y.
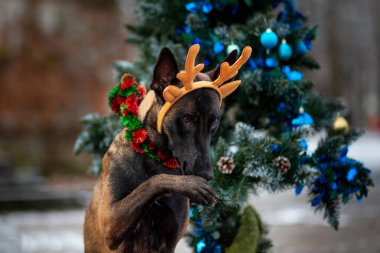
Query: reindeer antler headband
{"type": "Point", "coordinates": [172, 93]}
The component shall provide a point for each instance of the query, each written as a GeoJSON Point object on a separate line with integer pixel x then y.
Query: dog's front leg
{"type": "Point", "coordinates": [116, 218]}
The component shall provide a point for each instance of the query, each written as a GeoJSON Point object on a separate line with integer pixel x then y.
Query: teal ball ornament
{"type": "Point", "coordinates": [268, 39]}
{"type": "Point", "coordinates": [233, 47]}
{"type": "Point", "coordinates": [285, 51]}
{"type": "Point", "coordinates": [301, 47]}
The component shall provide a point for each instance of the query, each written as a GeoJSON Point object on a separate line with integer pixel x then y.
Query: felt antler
{"type": "Point", "coordinates": [227, 71]}
{"type": "Point", "coordinates": [187, 76]}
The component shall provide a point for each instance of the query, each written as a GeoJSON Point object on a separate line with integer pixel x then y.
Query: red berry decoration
{"type": "Point", "coordinates": [139, 136]}
{"type": "Point", "coordinates": [127, 81]}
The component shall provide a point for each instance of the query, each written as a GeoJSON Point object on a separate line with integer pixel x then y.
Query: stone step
{"type": "Point", "coordinates": [20, 199]}
{"type": "Point", "coordinates": [26, 189]}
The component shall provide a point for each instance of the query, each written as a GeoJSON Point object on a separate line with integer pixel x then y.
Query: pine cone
{"type": "Point", "coordinates": [282, 164]}
{"type": "Point", "coordinates": [226, 165]}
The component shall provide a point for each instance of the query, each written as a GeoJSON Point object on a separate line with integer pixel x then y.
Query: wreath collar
{"type": "Point", "coordinates": [124, 99]}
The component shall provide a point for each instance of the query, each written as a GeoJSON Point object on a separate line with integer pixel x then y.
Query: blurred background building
{"type": "Point", "coordinates": [55, 66]}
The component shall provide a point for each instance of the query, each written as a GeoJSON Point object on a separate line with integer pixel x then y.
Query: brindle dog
{"type": "Point", "coordinates": [139, 206]}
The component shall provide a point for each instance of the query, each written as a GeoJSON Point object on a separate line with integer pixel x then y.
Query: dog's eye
{"type": "Point", "coordinates": [187, 120]}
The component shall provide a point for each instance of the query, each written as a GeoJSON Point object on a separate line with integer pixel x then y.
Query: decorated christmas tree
{"type": "Point", "coordinates": [261, 142]}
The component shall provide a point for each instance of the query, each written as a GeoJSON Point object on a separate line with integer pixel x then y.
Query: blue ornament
{"type": "Point", "coordinates": [303, 119]}
{"type": "Point", "coordinates": [199, 230]}
{"type": "Point", "coordinates": [218, 47]}
{"type": "Point", "coordinates": [259, 62]}
{"type": "Point", "coordinates": [187, 29]}
{"type": "Point", "coordinates": [286, 70]}
{"type": "Point", "coordinates": [285, 51]}
{"type": "Point", "coordinates": [295, 76]}
{"type": "Point", "coordinates": [218, 249]}
{"type": "Point", "coordinates": [303, 144]}
{"type": "Point", "coordinates": [298, 190]}
{"type": "Point", "coordinates": [196, 41]}
{"type": "Point", "coordinates": [292, 75]}
{"type": "Point", "coordinates": [334, 186]}
{"type": "Point", "coordinates": [251, 64]}
{"type": "Point", "coordinates": [352, 174]}
{"type": "Point", "coordinates": [201, 245]}
{"type": "Point", "coordinates": [275, 148]}
{"type": "Point", "coordinates": [301, 47]}
{"type": "Point", "coordinates": [343, 152]}
{"type": "Point", "coordinates": [308, 44]}
{"type": "Point", "coordinates": [192, 7]}
{"type": "Point", "coordinates": [233, 47]}
{"type": "Point", "coordinates": [268, 39]}
{"type": "Point", "coordinates": [271, 62]}
{"type": "Point", "coordinates": [281, 108]}
{"type": "Point", "coordinates": [206, 62]}
{"type": "Point", "coordinates": [315, 201]}
{"type": "Point", "coordinates": [206, 7]}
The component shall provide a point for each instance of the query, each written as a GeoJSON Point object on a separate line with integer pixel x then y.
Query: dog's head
{"type": "Point", "coordinates": [192, 120]}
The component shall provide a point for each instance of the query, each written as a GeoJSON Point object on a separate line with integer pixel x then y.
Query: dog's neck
{"type": "Point", "coordinates": [148, 114]}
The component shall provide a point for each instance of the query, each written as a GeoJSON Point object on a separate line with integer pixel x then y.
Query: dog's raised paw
{"type": "Point", "coordinates": [198, 190]}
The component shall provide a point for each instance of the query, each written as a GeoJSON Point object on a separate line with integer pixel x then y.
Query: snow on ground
{"type": "Point", "coordinates": [34, 231]}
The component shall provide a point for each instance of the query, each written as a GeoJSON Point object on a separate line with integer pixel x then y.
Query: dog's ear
{"type": "Point", "coordinates": [164, 73]}
{"type": "Point", "coordinates": [231, 59]}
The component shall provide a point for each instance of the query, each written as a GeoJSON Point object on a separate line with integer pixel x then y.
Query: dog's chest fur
{"type": "Point", "coordinates": [160, 226]}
